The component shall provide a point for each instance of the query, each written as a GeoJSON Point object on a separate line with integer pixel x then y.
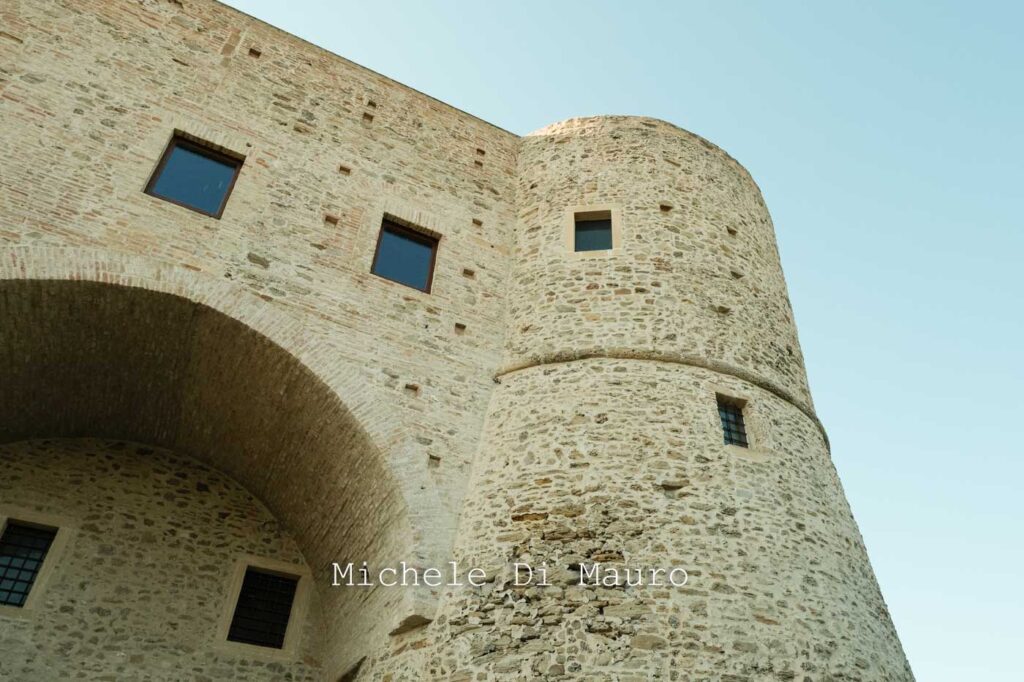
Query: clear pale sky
{"type": "Point", "coordinates": [888, 139]}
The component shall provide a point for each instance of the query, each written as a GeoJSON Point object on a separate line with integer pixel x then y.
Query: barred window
{"type": "Point", "coordinates": [263, 609]}
{"type": "Point", "coordinates": [734, 431]}
{"type": "Point", "coordinates": [22, 551]}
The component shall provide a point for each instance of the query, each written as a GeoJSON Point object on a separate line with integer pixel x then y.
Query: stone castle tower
{"type": "Point", "coordinates": [188, 395]}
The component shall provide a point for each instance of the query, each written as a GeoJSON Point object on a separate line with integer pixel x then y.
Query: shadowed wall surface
{"type": "Point", "coordinates": [143, 583]}
{"type": "Point", "coordinates": [91, 359]}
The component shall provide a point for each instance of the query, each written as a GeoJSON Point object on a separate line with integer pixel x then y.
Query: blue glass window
{"type": "Point", "coordinates": [405, 256]}
{"type": "Point", "coordinates": [193, 176]}
{"type": "Point", "coordinates": [593, 235]}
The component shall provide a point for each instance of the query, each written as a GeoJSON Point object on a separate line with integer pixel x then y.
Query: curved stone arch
{"type": "Point", "coordinates": [277, 323]}
{"type": "Point", "coordinates": [337, 416]}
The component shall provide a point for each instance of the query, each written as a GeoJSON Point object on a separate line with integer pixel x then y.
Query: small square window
{"type": "Point", "coordinates": [194, 176]}
{"type": "Point", "coordinates": [734, 431]}
{"type": "Point", "coordinates": [23, 549]}
{"type": "Point", "coordinates": [405, 255]}
{"type": "Point", "coordinates": [264, 608]}
{"type": "Point", "coordinates": [593, 231]}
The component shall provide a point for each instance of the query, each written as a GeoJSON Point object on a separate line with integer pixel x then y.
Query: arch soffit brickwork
{"type": "Point", "coordinates": [276, 323]}
{"type": "Point", "coordinates": [286, 329]}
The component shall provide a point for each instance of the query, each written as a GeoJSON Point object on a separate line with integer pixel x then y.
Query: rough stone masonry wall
{"type": "Point", "coordinates": [603, 444]}
{"type": "Point", "coordinates": [621, 462]}
{"type": "Point", "coordinates": [600, 442]}
{"type": "Point", "coordinates": [139, 591]}
{"type": "Point", "coordinates": [97, 359]}
{"type": "Point", "coordinates": [695, 276]}
{"type": "Point", "coordinates": [90, 94]}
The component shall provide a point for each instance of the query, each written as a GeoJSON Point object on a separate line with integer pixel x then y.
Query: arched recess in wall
{"type": "Point", "coordinates": [152, 548]}
{"type": "Point", "coordinates": [87, 358]}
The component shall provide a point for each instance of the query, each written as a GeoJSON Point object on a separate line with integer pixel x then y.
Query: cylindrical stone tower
{"type": "Point", "coordinates": [604, 444]}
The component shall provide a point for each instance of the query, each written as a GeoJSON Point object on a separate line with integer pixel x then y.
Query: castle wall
{"type": "Point", "coordinates": [695, 275]}
{"type": "Point", "coordinates": [537, 405]}
{"type": "Point", "coordinates": [603, 443]}
{"type": "Point", "coordinates": [90, 94]}
{"type": "Point", "coordinates": [87, 358]}
{"type": "Point", "coordinates": [140, 589]}
{"type": "Point", "coordinates": [620, 462]}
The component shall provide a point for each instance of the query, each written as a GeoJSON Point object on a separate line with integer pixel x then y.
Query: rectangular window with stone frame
{"type": "Point", "coordinates": [405, 255]}
{"type": "Point", "coordinates": [592, 231]}
{"type": "Point", "coordinates": [734, 428]}
{"type": "Point", "coordinates": [263, 609]}
{"type": "Point", "coordinates": [195, 175]}
{"type": "Point", "coordinates": [23, 549]}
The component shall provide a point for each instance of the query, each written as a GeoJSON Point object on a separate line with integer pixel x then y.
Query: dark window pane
{"type": "Point", "coordinates": [404, 256]}
{"type": "Point", "coordinates": [264, 605]}
{"type": "Point", "coordinates": [593, 235]}
{"type": "Point", "coordinates": [194, 177]}
{"type": "Point", "coordinates": [22, 550]}
{"type": "Point", "coordinates": [734, 431]}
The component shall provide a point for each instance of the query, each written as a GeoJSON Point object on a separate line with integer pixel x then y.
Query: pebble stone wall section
{"type": "Point", "coordinates": [696, 277]}
{"type": "Point", "coordinates": [620, 462]}
{"type": "Point", "coordinates": [156, 534]}
{"type": "Point", "coordinates": [603, 442]}
{"type": "Point", "coordinates": [537, 405]}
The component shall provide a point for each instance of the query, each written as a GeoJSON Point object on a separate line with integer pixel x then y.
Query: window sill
{"type": "Point", "coordinates": [602, 253]}
{"type": "Point", "coordinates": [253, 651]}
{"type": "Point", "coordinates": [16, 612]}
{"type": "Point", "coordinates": [748, 453]}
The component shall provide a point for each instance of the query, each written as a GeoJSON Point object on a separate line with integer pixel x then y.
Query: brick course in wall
{"type": "Point", "coordinates": [536, 405]}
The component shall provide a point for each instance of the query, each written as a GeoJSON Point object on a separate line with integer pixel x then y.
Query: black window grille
{"type": "Point", "coordinates": [734, 431]}
{"type": "Point", "coordinates": [593, 234]}
{"type": "Point", "coordinates": [22, 551]}
{"type": "Point", "coordinates": [195, 176]}
{"type": "Point", "coordinates": [263, 608]}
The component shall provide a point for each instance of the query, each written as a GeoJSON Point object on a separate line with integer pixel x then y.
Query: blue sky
{"type": "Point", "coordinates": [888, 139]}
